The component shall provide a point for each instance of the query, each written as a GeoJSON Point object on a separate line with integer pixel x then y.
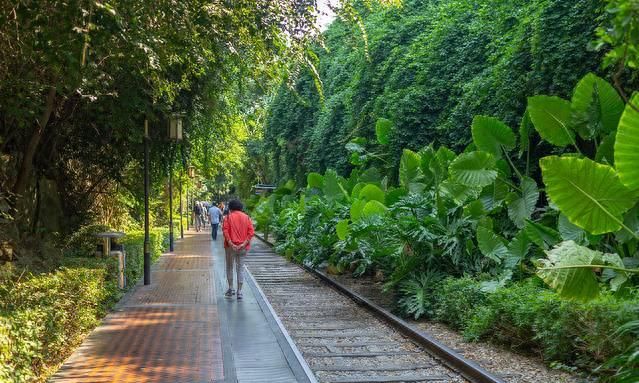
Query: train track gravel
{"type": "Point", "coordinates": [510, 366]}
{"type": "Point", "coordinates": [341, 341]}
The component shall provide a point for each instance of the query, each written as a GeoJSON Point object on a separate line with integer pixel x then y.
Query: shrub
{"type": "Point", "coordinates": [530, 317]}
{"type": "Point", "coordinates": [458, 300]}
{"type": "Point", "coordinates": [82, 243]}
{"type": "Point", "coordinates": [134, 246]}
{"type": "Point", "coordinates": [43, 317]}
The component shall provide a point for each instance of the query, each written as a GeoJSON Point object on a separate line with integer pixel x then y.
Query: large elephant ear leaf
{"type": "Point", "coordinates": [606, 150]}
{"type": "Point", "coordinates": [491, 135]}
{"type": "Point", "coordinates": [589, 194]}
{"type": "Point", "coordinates": [357, 206]}
{"type": "Point", "coordinates": [627, 145]}
{"type": "Point", "coordinates": [525, 128]}
{"type": "Point", "coordinates": [458, 192]}
{"type": "Point", "coordinates": [542, 236]}
{"type": "Point", "coordinates": [571, 232]}
{"type": "Point", "coordinates": [562, 271]}
{"type": "Point", "coordinates": [332, 188]}
{"type": "Point", "coordinates": [476, 169]}
{"type": "Point", "coordinates": [373, 208]}
{"type": "Point", "coordinates": [427, 155]}
{"type": "Point", "coordinates": [393, 196]}
{"type": "Point", "coordinates": [315, 180]}
{"type": "Point", "coordinates": [517, 249]}
{"type": "Point", "coordinates": [551, 117]}
{"type": "Point", "coordinates": [491, 245]}
{"type": "Point", "coordinates": [383, 130]}
{"type": "Point", "coordinates": [596, 107]}
{"type": "Point", "coordinates": [372, 192]}
{"type": "Point", "coordinates": [342, 229]}
{"type": "Point", "coordinates": [410, 172]}
{"type": "Point", "coordinates": [522, 205]}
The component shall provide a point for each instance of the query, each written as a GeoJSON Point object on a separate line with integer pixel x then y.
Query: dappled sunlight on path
{"type": "Point", "coordinates": [166, 332]}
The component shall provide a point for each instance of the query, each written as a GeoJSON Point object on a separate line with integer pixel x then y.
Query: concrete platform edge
{"type": "Point", "coordinates": [296, 361]}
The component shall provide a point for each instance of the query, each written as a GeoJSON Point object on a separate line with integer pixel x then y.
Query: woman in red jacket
{"type": "Point", "coordinates": [238, 231]}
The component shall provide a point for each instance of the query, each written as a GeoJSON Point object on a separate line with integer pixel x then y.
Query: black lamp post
{"type": "Point", "coordinates": [191, 174]}
{"type": "Point", "coordinates": [147, 251]}
{"type": "Point", "coordinates": [175, 134]}
{"type": "Point", "coordinates": [181, 224]}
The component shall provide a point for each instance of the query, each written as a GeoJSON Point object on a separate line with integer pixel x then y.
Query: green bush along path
{"type": "Point", "coordinates": [45, 316]}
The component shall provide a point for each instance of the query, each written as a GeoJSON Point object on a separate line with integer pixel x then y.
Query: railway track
{"type": "Point", "coordinates": [343, 338]}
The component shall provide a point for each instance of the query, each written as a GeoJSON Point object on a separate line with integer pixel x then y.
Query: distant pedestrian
{"type": "Point", "coordinates": [204, 211]}
{"type": "Point", "coordinates": [215, 216]}
{"type": "Point", "coordinates": [197, 215]}
{"type": "Point", "coordinates": [238, 231]}
{"type": "Point", "coordinates": [222, 208]}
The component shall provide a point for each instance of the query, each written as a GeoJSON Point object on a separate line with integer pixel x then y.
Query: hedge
{"type": "Point", "coordinates": [43, 317]}
{"type": "Point", "coordinates": [531, 318]}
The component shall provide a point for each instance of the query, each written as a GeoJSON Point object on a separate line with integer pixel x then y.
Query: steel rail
{"type": "Point", "coordinates": [449, 357]}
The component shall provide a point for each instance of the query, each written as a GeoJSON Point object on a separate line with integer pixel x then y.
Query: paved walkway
{"type": "Point", "coordinates": [181, 329]}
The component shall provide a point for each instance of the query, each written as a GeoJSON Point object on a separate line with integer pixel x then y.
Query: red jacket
{"type": "Point", "coordinates": [237, 228]}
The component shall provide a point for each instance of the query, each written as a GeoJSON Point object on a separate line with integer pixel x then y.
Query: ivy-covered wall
{"type": "Point", "coordinates": [431, 66]}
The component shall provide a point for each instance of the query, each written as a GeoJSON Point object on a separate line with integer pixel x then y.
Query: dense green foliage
{"type": "Point", "coordinates": [534, 319]}
{"type": "Point", "coordinates": [79, 78]}
{"type": "Point", "coordinates": [431, 67]}
{"type": "Point", "coordinates": [480, 214]}
{"type": "Point", "coordinates": [462, 215]}
{"type": "Point", "coordinates": [44, 316]}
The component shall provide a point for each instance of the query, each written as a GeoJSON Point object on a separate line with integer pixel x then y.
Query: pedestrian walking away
{"type": "Point", "coordinates": [215, 216]}
{"type": "Point", "coordinates": [238, 231]}
{"type": "Point", "coordinates": [197, 212]}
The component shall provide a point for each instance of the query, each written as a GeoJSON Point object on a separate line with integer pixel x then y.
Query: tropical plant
{"type": "Point", "coordinates": [597, 190]}
{"type": "Point", "coordinates": [626, 364]}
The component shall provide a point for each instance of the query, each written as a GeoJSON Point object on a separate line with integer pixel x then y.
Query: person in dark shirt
{"type": "Point", "coordinates": [197, 212]}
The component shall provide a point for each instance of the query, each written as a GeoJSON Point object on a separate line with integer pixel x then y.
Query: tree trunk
{"type": "Point", "coordinates": [27, 161]}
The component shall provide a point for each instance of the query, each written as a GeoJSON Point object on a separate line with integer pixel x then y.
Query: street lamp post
{"type": "Point", "coordinates": [147, 251]}
{"type": "Point", "coordinates": [175, 134]}
{"type": "Point", "coordinates": [191, 174]}
{"type": "Point", "coordinates": [181, 224]}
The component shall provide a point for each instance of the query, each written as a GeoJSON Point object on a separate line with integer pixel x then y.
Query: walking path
{"type": "Point", "coordinates": [180, 328]}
